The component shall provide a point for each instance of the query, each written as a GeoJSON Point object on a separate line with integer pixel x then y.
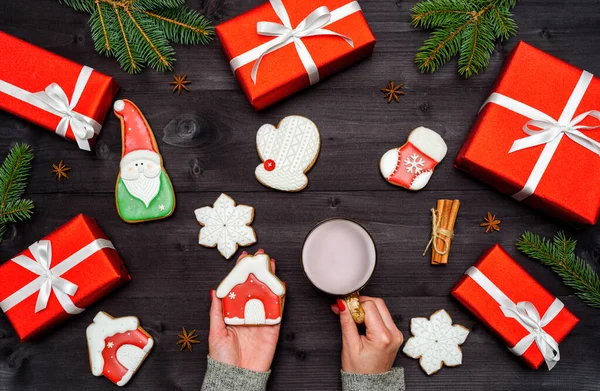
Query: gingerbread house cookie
{"type": "Point", "coordinates": [117, 347]}
{"type": "Point", "coordinates": [251, 293]}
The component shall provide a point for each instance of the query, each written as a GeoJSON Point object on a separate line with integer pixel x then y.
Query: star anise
{"type": "Point", "coordinates": [491, 224]}
{"type": "Point", "coordinates": [180, 83]}
{"type": "Point", "coordinates": [60, 170]}
{"type": "Point", "coordinates": [187, 339]}
{"type": "Point", "coordinates": [392, 91]}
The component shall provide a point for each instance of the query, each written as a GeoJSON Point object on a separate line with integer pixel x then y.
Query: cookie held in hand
{"type": "Point", "coordinates": [144, 191]}
{"type": "Point", "coordinates": [411, 165]}
{"type": "Point", "coordinates": [435, 341]}
{"type": "Point", "coordinates": [288, 152]}
{"type": "Point", "coordinates": [251, 293]}
{"type": "Point", "coordinates": [117, 347]}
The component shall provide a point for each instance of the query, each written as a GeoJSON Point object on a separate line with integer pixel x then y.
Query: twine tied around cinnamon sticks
{"type": "Point", "coordinates": [442, 230]}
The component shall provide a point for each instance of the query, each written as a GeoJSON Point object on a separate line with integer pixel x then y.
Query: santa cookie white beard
{"type": "Point", "coordinates": [287, 152]}
{"type": "Point", "coordinates": [411, 165]}
{"type": "Point", "coordinates": [143, 191]}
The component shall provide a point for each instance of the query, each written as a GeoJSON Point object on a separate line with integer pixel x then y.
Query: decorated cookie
{"type": "Point", "coordinates": [287, 152]}
{"type": "Point", "coordinates": [251, 293]}
{"type": "Point", "coordinates": [435, 341]}
{"type": "Point", "coordinates": [143, 191]}
{"type": "Point", "coordinates": [411, 165]}
{"type": "Point", "coordinates": [226, 225]}
{"type": "Point", "coordinates": [117, 347]}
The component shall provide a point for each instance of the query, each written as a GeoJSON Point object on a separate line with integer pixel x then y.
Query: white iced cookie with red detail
{"type": "Point", "coordinates": [436, 341]}
{"type": "Point", "coordinates": [226, 225]}
{"type": "Point", "coordinates": [117, 347]}
{"type": "Point", "coordinates": [251, 293]}
{"type": "Point", "coordinates": [288, 151]}
{"type": "Point", "coordinates": [411, 165]}
{"type": "Point", "coordinates": [144, 191]}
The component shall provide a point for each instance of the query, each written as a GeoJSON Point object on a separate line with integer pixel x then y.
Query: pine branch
{"type": "Point", "coordinates": [137, 32]}
{"type": "Point", "coordinates": [14, 173]}
{"type": "Point", "coordinates": [559, 255]}
{"type": "Point", "coordinates": [468, 28]}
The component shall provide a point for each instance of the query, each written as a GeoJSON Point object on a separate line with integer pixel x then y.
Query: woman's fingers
{"type": "Point", "coordinates": [376, 329]}
{"type": "Point", "coordinates": [217, 324]}
{"type": "Point", "coordinates": [350, 335]}
{"type": "Point", "coordinates": [383, 311]}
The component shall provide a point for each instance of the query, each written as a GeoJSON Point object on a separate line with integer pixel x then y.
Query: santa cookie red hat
{"type": "Point", "coordinates": [138, 140]}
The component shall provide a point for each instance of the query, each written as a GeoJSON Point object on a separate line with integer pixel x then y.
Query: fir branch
{"type": "Point", "coordinates": [468, 28]}
{"type": "Point", "coordinates": [559, 255]}
{"type": "Point", "coordinates": [137, 32]}
{"type": "Point", "coordinates": [14, 173]}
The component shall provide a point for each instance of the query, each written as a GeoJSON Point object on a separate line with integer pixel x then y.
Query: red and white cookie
{"type": "Point", "coordinates": [411, 165]}
{"type": "Point", "coordinates": [117, 347]}
{"type": "Point", "coordinates": [251, 293]}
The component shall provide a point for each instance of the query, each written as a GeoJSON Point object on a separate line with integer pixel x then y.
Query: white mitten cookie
{"type": "Point", "coordinates": [287, 152]}
{"type": "Point", "coordinates": [435, 341]}
{"type": "Point", "coordinates": [226, 225]}
{"type": "Point", "coordinates": [411, 165]}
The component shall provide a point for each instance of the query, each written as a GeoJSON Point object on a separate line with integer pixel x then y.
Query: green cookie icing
{"type": "Point", "coordinates": [132, 209]}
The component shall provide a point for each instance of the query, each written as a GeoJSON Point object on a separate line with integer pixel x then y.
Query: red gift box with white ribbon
{"type": "Point", "coordinates": [537, 136]}
{"type": "Point", "coordinates": [59, 276]}
{"type": "Point", "coordinates": [511, 303]}
{"type": "Point", "coordinates": [53, 92]}
{"type": "Point", "coordinates": [284, 46]}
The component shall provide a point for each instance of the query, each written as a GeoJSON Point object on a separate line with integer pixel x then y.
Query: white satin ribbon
{"type": "Point", "coordinates": [312, 25]}
{"type": "Point", "coordinates": [527, 315]}
{"type": "Point", "coordinates": [54, 100]}
{"type": "Point", "coordinates": [50, 279]}
{"type": "Point", "coordinates": [550, 131]}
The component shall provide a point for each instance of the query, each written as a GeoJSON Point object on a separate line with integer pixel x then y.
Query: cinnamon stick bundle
{"type": "Point", "coordinates": [442, 230]}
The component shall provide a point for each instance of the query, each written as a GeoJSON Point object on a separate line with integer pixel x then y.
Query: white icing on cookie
{"type": "Point", "coordinates": [435, 341]}
{"type": "Point", "coordinates": [226, 225]}
{"type": "Point", "coordinates": [287, 152]}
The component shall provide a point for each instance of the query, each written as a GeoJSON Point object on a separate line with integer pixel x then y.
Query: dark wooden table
{"type": "Point", "coordinates": [172, 274]}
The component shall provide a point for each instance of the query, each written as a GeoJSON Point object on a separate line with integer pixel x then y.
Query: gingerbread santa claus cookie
{"type": "Point", "coordinates": [117, 347]}
{"type": "Point", "coordinates": [411, 165]}
{"type": "Point", "coordinates": [288, 152]}
{"type": "Point", "coordinates": [144, 191]}
{"type": "Point", "coordinates": [251, 293]}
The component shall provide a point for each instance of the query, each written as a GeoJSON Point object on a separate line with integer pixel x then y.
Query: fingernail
{"type": "Point", "coordinates": [335, 308]}
{"type": "Point", "coordinates": [341, 305]}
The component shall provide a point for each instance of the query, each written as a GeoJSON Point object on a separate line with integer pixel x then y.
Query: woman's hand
{"type": "Point", "coordinates": [248, 347]}
{"type": "Point", "coordinates": [376, 351]}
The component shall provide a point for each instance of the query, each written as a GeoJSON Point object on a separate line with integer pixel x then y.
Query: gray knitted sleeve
{"type": "Point", "coordinates": [393, 380]}
{"type": "Point", "coordinates": [224, 377]}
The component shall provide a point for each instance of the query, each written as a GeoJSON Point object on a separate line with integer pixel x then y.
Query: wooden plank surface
{"type": "Point", "coordinates": [207, 140]}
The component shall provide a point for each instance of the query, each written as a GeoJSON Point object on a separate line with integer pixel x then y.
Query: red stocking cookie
{"type": "Point", "coordinates": [411, 165]}
{"type": "Point", "coordinates": [117, 347]}
{"type": "Point", "coordinates": [251, 293]}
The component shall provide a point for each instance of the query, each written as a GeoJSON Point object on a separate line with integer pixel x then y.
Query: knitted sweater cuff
{"type": "Point", "coordinates": [393, 380]}
{"type": "Point", "coordinates": [224, 377]}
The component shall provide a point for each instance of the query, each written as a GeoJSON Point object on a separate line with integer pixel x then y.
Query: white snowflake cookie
{"type": "Point", "coordinates": [226, 225]}
{"type": "Point", "coordinates": [435, 341]}
{"type": "Point", "coordinates": [288, 152]}
{"type": "Point", "coordinates": [411, 165]}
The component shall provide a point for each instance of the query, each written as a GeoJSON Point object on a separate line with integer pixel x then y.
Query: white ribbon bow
{"type": "Point", "coordinates": [528, 316]}
{"type": "Point", "coordinates": [550, 131]}
{"type": "Point", "coordinates": [50, 279]}
{"type": "Point", "coordinates": [54, 100]}
{"type": "Point", "coordinates": [312, 25]}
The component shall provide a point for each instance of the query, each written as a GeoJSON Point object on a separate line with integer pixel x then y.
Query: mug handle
{"type": "Point", "coordinates": [358, 314]}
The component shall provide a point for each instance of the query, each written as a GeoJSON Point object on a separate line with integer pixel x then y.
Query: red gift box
{"type": "Point", "coordinates": [59, 276]}
{"type": "Point", "coordinates": [535, 136]}
{"type": "Point", "coordinates": [511, 303]}
{"type": "Point", "coordinates": [296, 43]}
{"type": "Point", "coordinates": [53, 92]}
